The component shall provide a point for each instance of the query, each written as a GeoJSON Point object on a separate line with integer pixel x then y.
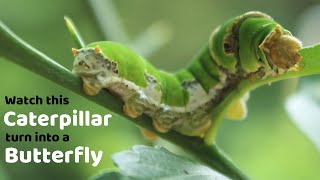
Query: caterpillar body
{"type": "Point", "coordinates": [248, 46]}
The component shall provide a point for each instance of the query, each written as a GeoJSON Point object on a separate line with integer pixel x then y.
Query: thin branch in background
{"type": "Point", "coordinates": [109, 20]}
{"type": "Point", "coordinates": [149, 41]}
{"type": "Point", "coordinates": [74, 33]}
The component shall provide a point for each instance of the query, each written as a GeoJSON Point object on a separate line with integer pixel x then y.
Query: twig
{"type": "Point", "coordinates": [109, 20]}
{"type": "Point", "coordinates": [74, 33]}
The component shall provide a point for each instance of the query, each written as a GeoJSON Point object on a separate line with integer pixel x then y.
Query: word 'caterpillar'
{"type": "Point", "coordinates": [248, 46]}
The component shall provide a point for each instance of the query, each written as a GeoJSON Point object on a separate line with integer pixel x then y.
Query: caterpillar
{"type": "Point", "coordinates": [251, 45]}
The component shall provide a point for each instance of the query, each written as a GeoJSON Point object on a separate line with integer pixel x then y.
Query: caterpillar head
{"type": "Point", "coordinates": [253, 41]}
{"type": "Point", "coordinates": [88, 61]}
{"type": "Point", "coordinates": [282, 49]}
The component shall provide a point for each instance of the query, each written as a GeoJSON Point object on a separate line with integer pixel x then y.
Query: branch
{"type": "Point", "coordinates": [109, 20]}
{"type": "Point", "coordinates": [74, 33]}
{"type": "Point", "coordinates": [16, 50]}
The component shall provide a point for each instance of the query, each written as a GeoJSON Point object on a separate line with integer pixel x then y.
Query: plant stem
{"type": "Point", "coordinates": [109, 20]}
{"type": "Point", "coordinates": [74, 33]}
{"type": "Point", "coordinates": [16, 50]}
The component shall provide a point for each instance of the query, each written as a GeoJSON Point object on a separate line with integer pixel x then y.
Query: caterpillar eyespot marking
{"type": "Point", "coordinates": [250, 46]}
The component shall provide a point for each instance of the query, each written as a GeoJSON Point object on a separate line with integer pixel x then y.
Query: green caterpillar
{"type": "Point", "coordinates": [248, 46]}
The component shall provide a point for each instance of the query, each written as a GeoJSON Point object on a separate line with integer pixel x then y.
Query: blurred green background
{"type": "Point", "coordinates": [266, 145]}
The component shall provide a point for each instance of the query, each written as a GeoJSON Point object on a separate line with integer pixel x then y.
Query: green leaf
{"type": "Point", "coordinates": [145, 162]}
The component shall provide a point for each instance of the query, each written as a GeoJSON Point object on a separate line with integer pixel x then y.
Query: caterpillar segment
{"type": "Point", "coordinates": [249, 46]}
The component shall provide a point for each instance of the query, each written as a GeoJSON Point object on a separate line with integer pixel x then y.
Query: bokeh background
{"type": "Point", "coordinates": [267, 145]}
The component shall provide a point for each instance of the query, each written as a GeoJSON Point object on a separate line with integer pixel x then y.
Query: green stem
{"type": "Point", "coordinates": [74, 33]}
{"type": "Point", "coordinates": [109, 20]}
{"type": "Point", "coordinates": [16, 50]}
